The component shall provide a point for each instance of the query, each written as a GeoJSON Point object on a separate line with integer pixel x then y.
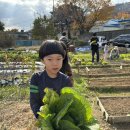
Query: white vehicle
{"type": "Point", "coordinates": [102, 41]}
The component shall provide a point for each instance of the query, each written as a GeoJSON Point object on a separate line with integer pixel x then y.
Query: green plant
{"type": "Point", "coordinates": [13, 93]}
{"type": "Point", "coordinates": [69, 111]}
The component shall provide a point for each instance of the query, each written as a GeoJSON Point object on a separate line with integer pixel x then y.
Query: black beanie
{"type": "Point", "coordinates": [51, 47]}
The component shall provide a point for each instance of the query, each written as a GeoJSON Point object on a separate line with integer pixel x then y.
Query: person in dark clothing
{"type": "Point", "coordinates": [66, 68]}
{"type": "Point", "coordinates": [65, 40]}
{"type": "Point", "coordinates": [52, 54]}
{"type": "Point", "coordinates": [94, 47]}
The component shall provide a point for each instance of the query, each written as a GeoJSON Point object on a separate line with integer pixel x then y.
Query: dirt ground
{"type": "Point", "coordinates": [104, 79]}
{"type": "Point", "coordinates": [115, 82]}
{"type": "Point", "coordinates": [18, 116]}
{"type": "Point", "coordinates": [122, 107]}
{"type": "Point", "coordinates": [107, 126]}
{"type": "Point", "coordinates": [105, 71]}
{"type": "Point", "coordinates": [15, 115]}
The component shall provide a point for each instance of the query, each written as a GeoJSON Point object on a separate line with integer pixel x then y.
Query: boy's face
{"type": "Point", "coordinates": [53, 63]}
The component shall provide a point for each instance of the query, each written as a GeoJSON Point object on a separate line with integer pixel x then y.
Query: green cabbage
{"type": "Point", "coordinates": [69, 111]}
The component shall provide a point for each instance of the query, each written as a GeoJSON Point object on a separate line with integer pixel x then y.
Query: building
{"type": "Point", "coordinates": [111, 25]}
{"type": "Point", "coordinates": [20, 35]}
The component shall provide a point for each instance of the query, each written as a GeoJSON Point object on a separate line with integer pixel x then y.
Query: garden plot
{"type": "Point", "coordinates": [104, 72]}
{"type": "Point", "coordinates": [108, 77]}
{"type": "Point", "coordinates": [110, 82]}
{"type": "Point", "coordinates": [115, 109]}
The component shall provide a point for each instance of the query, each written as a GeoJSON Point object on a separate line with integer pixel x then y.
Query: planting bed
{"type": "Point", "coordinates": [105, 72]}
{"type": "Point", "coordinates": [115, 109]}
{"type": "Point", "coordinates": [108, 82]}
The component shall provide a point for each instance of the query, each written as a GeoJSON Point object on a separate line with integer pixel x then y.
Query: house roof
{"type": "Point", "coordinates": [112, 23]}
{"type": "Point", "coordinates": [116, 22]}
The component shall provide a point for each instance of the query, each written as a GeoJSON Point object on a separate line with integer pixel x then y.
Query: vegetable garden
{"type": "Point", "coordinates": [107, 79]}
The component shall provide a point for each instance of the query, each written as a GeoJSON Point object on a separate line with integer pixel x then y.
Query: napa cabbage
{"type": "Point", "coordinates": [67, 111]}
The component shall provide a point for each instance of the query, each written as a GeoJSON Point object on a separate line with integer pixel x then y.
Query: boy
{"type": "Point", "coordinates": [52, 54]}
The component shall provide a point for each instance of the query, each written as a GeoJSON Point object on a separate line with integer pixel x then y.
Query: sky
{"type": "Point", "coordinates": [20, 14]}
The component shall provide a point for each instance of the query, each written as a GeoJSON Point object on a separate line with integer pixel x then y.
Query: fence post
{"type": "Point", "coordinates": [78, 63]}
{"type": "Point", "coordinates": [87, 71]}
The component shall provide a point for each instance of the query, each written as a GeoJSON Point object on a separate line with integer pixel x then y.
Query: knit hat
{"type": "Point", "coordinates": [49, 47]}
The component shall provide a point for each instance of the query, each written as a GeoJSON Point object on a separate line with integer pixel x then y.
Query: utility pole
{"type": "Point", "coordinates": [53, 7]}
{"type": "Point", "coordinates": [53, 14]}
{"type": "Point", "coordinates": [53, 17]}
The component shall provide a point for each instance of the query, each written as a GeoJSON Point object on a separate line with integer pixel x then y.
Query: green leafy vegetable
{"type": "Point", "coordinates": [62, 112]}
{"type": "Point", "coordinates": [69, 111]}
{"type": "Point", "coordinates": [67, 125]}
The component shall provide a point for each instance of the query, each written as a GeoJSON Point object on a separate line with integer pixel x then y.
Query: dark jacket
{"type": "Point", "coordinates": [66, 68]}
{"type": "Point", "coordinates": [39, 82]}
{"type": "Point", "coordinates": [94, 43]}
{"type": "Point", "coordinates": [64, 39]}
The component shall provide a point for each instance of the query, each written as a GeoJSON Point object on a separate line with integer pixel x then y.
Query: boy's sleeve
{"type": "Point", "coordinates": [34, 95]}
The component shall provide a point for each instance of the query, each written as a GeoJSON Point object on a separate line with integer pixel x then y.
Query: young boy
{"type": "Point", "coordinates": [52, 54]}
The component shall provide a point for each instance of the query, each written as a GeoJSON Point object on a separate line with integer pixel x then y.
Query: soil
{"type": "Point", "coordinates": [105, 71]}
{"type": "Point", "coordinates": [15, 115]}
{"type": "Point", "coordinates": [107, 126]}
{"type": "Point", "coordinates": [111, 77]}
{"type": "Point", "coordinates": [116, 106]}
{"type": "Point", "coordinates": [99, 116]}
{"type": "Point", "coordinates": [115, 82]}
{"type": "Point", "coordinates": [18, 116]}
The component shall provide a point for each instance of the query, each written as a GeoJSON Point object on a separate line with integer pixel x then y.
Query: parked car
{"type": "Point", "coordinates": [121, 41]}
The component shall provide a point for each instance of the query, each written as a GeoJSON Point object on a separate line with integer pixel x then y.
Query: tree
{"type": "Point", "coordinates": [13, 30]}
{"type": "Point", "coordinates": [6, 40]}
{"type": "Point", "coordinates": [83, 13]}
{"type": "Point", "coordinates": [42, 28]}
{"type": "Point", "coordinates": [1, 26]}
{"type": "Point", "coordinates": [122, 15]}
{"type": "Point", "coordinates": [100, 10]}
